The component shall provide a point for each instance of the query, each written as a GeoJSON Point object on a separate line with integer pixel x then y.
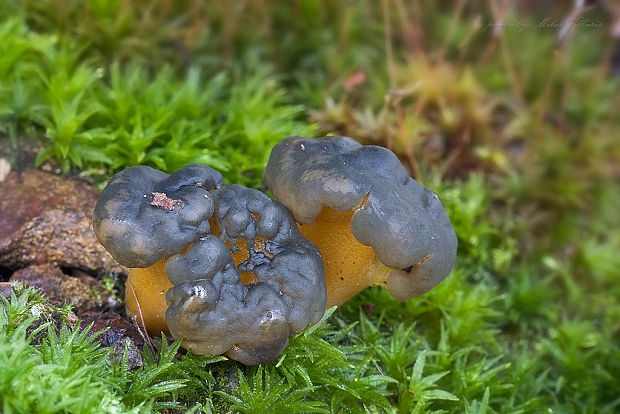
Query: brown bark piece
{"type": "Point", "coordinates": [83, 292]}
{"type": "Point", "coordinates": [45, 218]}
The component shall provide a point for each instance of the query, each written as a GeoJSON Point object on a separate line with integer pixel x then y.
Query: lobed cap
{"type": "Point", "coordinates": [405, 223]}
{"type": "Point", "coordinates": [210, 307]}
{"type": "Point", "coordinates": [144, 214]}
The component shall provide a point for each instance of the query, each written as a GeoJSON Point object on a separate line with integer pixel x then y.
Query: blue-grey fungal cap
{"type": "Point", "coordinates": [211, 308]}
{"type": "Point", "coordinates": [405, 223]}
{"type": "Point", "coordinates": [144, 215]}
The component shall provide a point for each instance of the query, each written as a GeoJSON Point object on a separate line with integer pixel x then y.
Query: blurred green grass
{"type": "Point", "coordinates": [514, 124]}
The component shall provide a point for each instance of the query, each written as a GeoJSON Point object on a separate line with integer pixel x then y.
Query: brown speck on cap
{"type": "Point", "coordinates": [165, 202]}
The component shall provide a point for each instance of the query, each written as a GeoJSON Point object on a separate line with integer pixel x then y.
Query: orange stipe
{"type": "Point", "coordinates": [349, 265]}
{"type": "Point", "coordinates": [150, 285]}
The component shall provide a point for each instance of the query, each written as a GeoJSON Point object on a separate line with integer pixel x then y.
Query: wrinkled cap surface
{"type": "Point", "coordinates": [211, 308]}
{"type": "Point", "coordinates": [405, 223]}
{"type": "Point", "coordinates": [144, 214]}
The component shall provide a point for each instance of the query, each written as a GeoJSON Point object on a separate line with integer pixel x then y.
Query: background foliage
{"type": "Point", "coordinates": [503, 109]}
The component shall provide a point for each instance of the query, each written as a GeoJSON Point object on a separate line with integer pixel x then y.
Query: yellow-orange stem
{"type": "Point", "coordinates": [150, 285]}
{"type": "Point", "coordinates": [350, 266]}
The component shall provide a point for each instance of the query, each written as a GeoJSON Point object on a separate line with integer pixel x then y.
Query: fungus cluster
{"type": "Point", "coordinates": [232, 271]}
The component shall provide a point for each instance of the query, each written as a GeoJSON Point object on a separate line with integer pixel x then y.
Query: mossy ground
{"type": "Point", "coordinates": [511, 120]}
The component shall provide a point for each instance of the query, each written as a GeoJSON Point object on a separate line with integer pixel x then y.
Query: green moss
{"type": "Point", "coordinates": [516, 132]}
